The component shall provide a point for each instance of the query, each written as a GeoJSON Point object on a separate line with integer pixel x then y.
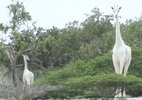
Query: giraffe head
{"type": "Point", "coordinates": [116, 11]}
{"type": "Point", "coordinates": [26, 57]}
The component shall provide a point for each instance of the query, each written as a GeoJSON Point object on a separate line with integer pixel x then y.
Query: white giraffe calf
{"type": "Point", "coordinates": [28, 76]}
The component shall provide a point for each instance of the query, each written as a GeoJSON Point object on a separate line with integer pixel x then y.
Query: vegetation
{"type": "Point", "coordinates": [74, 61]}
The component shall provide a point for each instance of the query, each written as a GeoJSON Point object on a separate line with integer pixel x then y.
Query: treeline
{"type": "Point", "coordinates": [72, 57]}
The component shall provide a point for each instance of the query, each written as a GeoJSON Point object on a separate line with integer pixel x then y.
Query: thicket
{"type": "Point", "coordinates": [95, 78]}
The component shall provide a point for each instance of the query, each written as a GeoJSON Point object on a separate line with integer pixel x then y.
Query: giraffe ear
{"type": "Point", "coordinates": [27, 56]}
{"type": "Point", "coordinates": [112, 8]}
{"type": "Point", "coordinates": [119, 8]}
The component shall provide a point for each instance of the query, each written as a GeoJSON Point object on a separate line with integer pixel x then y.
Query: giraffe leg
{"type": "Point", "coordinates": [121, 66]}
{"type": "Point", "coordinates": [117, 68]}
{"type": "Point", "coordinates": [118, 92]}
{"type": "Point", "coordinates": [124, 92]}
{"type": "Point", "coordinates": [126, 67]}
{"type": "Point", "coordinates": [116, 64]}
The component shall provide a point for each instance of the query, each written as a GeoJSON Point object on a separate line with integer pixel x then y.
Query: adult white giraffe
{"type": "Point", "coordinates": [28, 76]}
{"type": "Point", "coordinates": [121, 52]}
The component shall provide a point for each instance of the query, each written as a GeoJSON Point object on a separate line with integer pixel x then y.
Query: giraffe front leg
{"type": "Point", "coordinates": [126, 67]}
{"type": "Point", "coordinates": [121, 66]}
{"type": "Point", "coordinates": [115, 64]}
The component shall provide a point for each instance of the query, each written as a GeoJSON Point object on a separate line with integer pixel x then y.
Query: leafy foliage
{"type": "Point", "coordinates": [135, 67]}
{"type": "Point", "coordinates": [80, 68]}
{"type": "Point", "coordinates": [95, 78]}
{"type": "Point", "coordinates": [104, 85]}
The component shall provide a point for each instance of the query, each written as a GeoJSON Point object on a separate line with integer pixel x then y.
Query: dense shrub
{"type": "Point", "coordinates": [104, 85]}
{"type": "Point", "coordinates": [80, 68]}
{"type": "Point", "coordinates": [136, 63]}
{"type": "Point", "coordinates": [95, 78]}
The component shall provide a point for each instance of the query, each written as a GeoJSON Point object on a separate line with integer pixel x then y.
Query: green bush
{"type": "Point", "coordinates": [100, 85]}
{"type": "Point", "coordinates": [104, 85]}
{"type": "Point", "coordinates": [136, 63]}
{"type": "Point", "coordinates": [79, 68]}
{"type": "Point", "coordinates": [96, 77]}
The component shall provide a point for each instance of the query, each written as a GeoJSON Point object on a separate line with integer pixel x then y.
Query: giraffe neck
{"type": "Point", "coordinates": [26, 64]}
{"type": "Point", "coordinates": [118, 40]}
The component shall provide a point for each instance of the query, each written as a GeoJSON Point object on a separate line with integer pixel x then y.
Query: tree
{"type": "Point", "coordinates": [19, 17]}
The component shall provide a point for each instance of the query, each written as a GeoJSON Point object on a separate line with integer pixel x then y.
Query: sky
{"type": "Point", "coordinates": [49, 13]}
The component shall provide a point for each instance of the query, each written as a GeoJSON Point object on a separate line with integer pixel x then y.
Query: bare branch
{"type": "Point", "coordinates": [39, 65]}
{"type": "Point", "coordinates": [24, 93]}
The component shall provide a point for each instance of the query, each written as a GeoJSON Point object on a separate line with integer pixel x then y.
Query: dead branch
{"type": "Point", "coordinates": [25, 92]}
{"type": "Point", "coordinates": [39, 65]}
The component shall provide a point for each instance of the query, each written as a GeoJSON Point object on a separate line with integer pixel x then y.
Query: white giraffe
{"type": "Point", "coordinates": [28, 76]}
{"type": "Point", "coordinates": [121, 52]}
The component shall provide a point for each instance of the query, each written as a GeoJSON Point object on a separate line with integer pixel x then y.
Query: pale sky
{"type": "Point", "coordinates": [48, 13]}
